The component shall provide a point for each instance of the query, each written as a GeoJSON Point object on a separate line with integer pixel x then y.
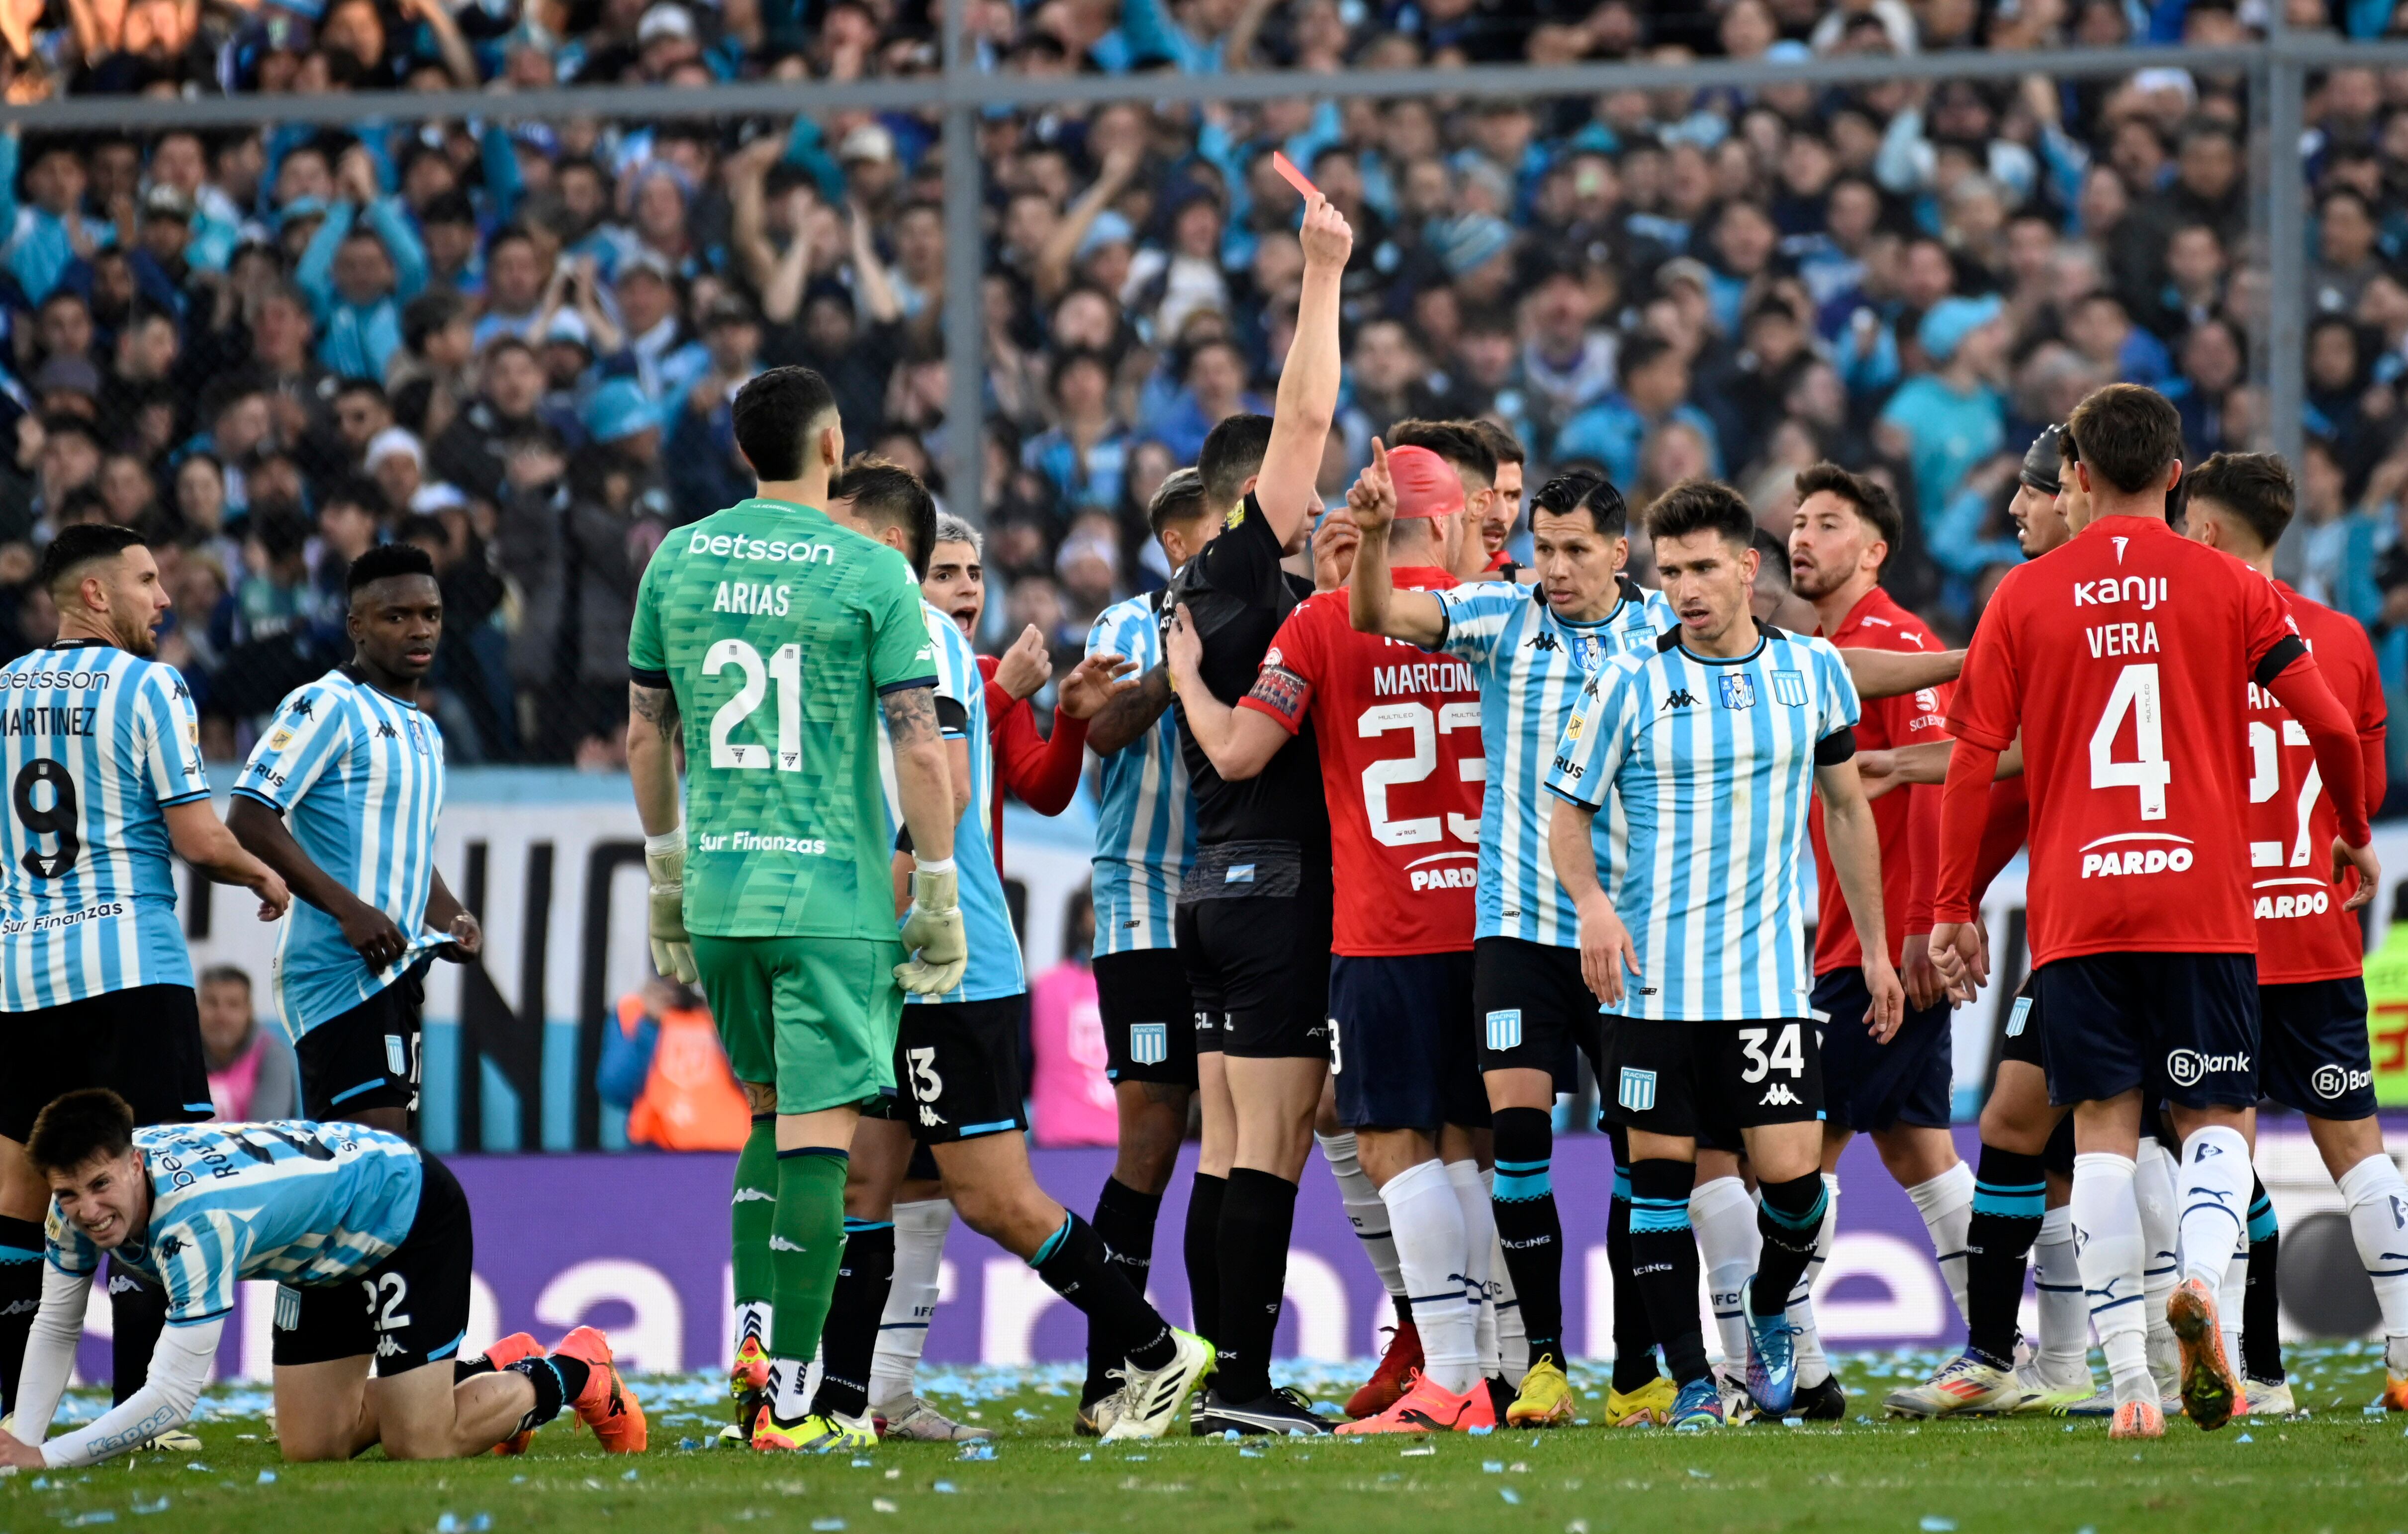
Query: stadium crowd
{"type": "Point", "coordinates": [514, 342]}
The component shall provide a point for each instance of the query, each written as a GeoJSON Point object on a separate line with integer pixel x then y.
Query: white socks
{"type": "Point", "coordinates": [1724, 1217]}
{"type": "Point", "coordinates": [2153, 1186]}
{"type": "Point", "coordinates": [2378, 1219]}
{"type": "Point", "coordinates": [2212, 1188]}
{"type": "Point", "coordinates": [1812, 1366]}
{"type": "Point", "coordinates": [1946, 1202]}
{"type": "Point", "coordinates": [903, 1331]}
{"type": "Point", "coordinates": [2064, 1317]}
{"type": "Point", "coordinates": [1426, 1220]}
{"type": "Point", "coordinates": [1365, 1209]}
{"type": "Point", "coordinates": [1479, 1242]}
{"type": "Point", "coordinates": [752, 1320]}
{"type": "Point", "coordinates": [2107, 1240]}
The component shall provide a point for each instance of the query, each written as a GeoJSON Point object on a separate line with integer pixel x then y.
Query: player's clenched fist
{"type": "Point", "coordinates": [672, 949]}
{"type": "Point", "coordinates": [1327, 239]}
{"type": "Point", "coordinates": [932, 932]}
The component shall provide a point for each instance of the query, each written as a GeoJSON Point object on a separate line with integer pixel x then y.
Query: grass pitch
{"type": "Point", "coordinates": [2335, 1467]}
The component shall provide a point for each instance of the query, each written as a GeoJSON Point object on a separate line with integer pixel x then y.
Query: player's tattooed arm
{"type": "Point", "coordinates": [923, 770]}
{"type": "Point", "coordinates": [1889, 673]}
{"type": "Point", "coordinates": [651, 756]}
{"type": "Point", "coordinates": [1130, 712]}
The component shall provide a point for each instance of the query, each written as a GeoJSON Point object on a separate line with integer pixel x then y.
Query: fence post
{"type": "Point", "coordinates": [2287, 263]}
{"type": "Point", "coordinates": [965, 269]}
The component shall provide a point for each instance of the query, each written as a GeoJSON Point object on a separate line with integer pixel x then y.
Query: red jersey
{"type": "Point", "coordinates": [2302, 932]}
{"type": "Point", "coordinates": [1042, 771]}
{"type": "Point", "coordinates": [1401, 766]}
{"type": "Point", "coordinates": [1909, 820]}
{"type": "Point", "coordinates": [2125, 657]}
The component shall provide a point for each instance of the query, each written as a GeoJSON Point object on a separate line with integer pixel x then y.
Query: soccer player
{"type": "Point", "coordinates": [958, 1057]}
{"type": "Point", "coordinates": [327, 1211]}
{"type": "Point", "coordinates": [2123, 659]}
{"type": "Point", "coordinates": [789, 919]}
{"type": "Point", "coordinates": [2312, 1049]}
{"type": "Point", "coordinates": [1531, 650]}
{"type": "Point", "coordinates": [1254, 916]}
{"type": "Point", "coordinates": [1899, 1090]}
{"type": "Point", "coordinates": [1497, 518]}
{"type": "Point", "coordinates": [1708, 746]}
{"type": "Point", "coordinates": [1145, 838]}
{"type": "Point", "coordinates": [101, 749]}
{"type": "Point", "coordinates": [359, 769]}
{"type": "Point", "coordinates": [1400, 770]}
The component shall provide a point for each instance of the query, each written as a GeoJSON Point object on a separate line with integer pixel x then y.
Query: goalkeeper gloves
{"type": "Point", "coordinates": [672, 949]}
{"type": "Point", "coordinates": [932, 932]}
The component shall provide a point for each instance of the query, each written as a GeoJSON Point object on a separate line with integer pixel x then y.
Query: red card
{"type": "Point", "coordinates": [1295, 178]}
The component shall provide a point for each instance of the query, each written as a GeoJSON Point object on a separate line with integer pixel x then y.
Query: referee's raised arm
{"type": "Point", "coordinates": [1307, 388]}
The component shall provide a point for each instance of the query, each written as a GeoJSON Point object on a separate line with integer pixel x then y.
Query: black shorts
{"type": "Point", "coordinates": [1869, 1086]}
{"type": "Point", "coordinates": [2315, 1054]}
{"type": "Point", "coordinates": [1401, 1050]}
{"type": "Point", "coordinates": [2182, 1027]}
{"type": "Point", "coordinates": [369, 1056]}
{"type": "Point", "coordinates": [1150, 1032]}
{"type": "Point", "coordinates": [957, 1070]}
{"type": "Point", "coordinates": [408, 1310]}
{"type": "Point", "coordinates": [2020, 1039]}
{"type": "Point", "coordinates": [144, 1044]}
{"type": "Point", "coordinates": [1253, 932]}
{"type": "Point", "coordinates": [1709, 1080]}
{"type": "Point", "coordinates": [1534, 1009]}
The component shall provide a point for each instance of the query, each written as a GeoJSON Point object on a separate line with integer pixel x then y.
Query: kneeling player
{"type": "Point", "coordinates": [328, 1209]}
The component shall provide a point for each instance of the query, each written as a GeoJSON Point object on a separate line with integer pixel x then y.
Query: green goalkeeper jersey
{"type": "Point", "coordinates": [778, 631]}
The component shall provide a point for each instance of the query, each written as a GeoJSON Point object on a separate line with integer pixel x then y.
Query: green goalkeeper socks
{"type": "Point", "coordinates": [805, 1248]}
{"type": "Point", "coordinates": [750, 1218]}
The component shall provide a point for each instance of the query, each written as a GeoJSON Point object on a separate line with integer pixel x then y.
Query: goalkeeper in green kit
{"type": "Point", "coordinates": [777, 639]}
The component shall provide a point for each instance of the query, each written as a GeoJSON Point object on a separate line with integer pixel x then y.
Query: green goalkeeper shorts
{"type": "Point", "coordinates": [816, 1016]}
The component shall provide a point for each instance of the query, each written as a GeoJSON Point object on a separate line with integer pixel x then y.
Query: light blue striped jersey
{"type": "Point", "coordinates": [94, 743]}
{"type": "Point", "coordinates": [1145, 831]}
{"type": "Point", "coordinates": [358, 775]}
{"type": "Point", "coordinates": [1713, 762]}
{"type": "Point", "coordinates": [298, 1202]}
{"type": "Point", "coordinates": [1531, 665]}
{"type": "Point", "coordinates": [995, 967]}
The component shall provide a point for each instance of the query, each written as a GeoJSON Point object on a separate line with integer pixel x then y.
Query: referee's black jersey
{"type": "Point", "coordinates": [1237, 595]}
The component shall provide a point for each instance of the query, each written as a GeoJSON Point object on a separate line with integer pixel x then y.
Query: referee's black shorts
{"type": "Point", "coordinates": [143, 1044]}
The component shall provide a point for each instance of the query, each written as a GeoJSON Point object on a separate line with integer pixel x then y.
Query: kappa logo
{"type": "Point", "coordinates": [1636, 1090]}
{"type": "Point", "coordinates": [754, 1196]}
{"type": "Point", "coordinates": [1148, 1043]}
{"type": "Point", "coordinates": [1779, 1096]}
{"type": "Point", "coordinates": [1681, 698]}
{"type": "Point", "coordinates": [2189, 1067]}
{"type": "Point", "coordinates": [20, 1307]}
{"type": "Point", "coordinates": [385, 730]}
{"type": "Point", "coordinates": [779, 1244]}
{"type": "Point", "coordinates": [1542, 640]}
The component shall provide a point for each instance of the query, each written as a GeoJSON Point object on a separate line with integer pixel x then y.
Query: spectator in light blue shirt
{"type": "Point", "coordinates": [362, 265]}
{"type": "Point", "coordinates": [1655, 390]}
{"type": "Point", "coordinates": [45, 236]}
{"type": "Point", "coordinates": [1946, 422]}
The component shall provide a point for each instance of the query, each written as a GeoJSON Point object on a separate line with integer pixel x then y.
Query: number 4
{"type": "Point", "coordinates": [2136, 694]}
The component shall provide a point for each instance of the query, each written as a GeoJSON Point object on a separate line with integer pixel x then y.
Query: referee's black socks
{"type": "Point", "coordinates": [1073, 1263]}
{"type": "Point", "coordinates": [1528, 1228]}
{"type": "Point", "coordinates": [1202, 1252]}
{"type": "Point", "coordinates": [1664, 1262]}
{"type": "Point", "coordinates": [1123, 1222]}
{"type": "Point", "coordinates": [1790, 1218]}
{"type": "Point", "coordinates": [1257, 1216]}
{"type": "Point", "coordinates": [2009, 1199]}
{"type": "Point", "coordinates": [21, 1245]}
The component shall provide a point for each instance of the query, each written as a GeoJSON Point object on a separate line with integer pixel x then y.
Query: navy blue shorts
{"type": "Point", "coordinates": [2317, 1058]}
{"type": "Point", "coordinates": [1869, 1086]}
{"type": "Point", "coordinates": [1403, 1045]}
{"type": "Point", "coordinates": [2181, 1027]}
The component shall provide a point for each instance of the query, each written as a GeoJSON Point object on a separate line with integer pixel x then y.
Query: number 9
{"type": "Point", "coordinates": [60, 820]}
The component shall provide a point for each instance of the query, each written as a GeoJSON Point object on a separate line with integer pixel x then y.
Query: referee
{"type": "Point", "coordinates": [1253, 917]}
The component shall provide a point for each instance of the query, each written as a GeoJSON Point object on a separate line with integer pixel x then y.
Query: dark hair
{"type": "Point", "coordinates": [386, 560]}
{"type": "Point", "coordinates": [1639, 350]}
{"type": "Point", "coordinates": [77, 1127]}
{"type": "Point", "coordinates": [427, 313]}
{"type": "Point", "coordinates": [2128, 435]}
{"type": "Point", "coordinates": [1452, 440]}
{"type": "Point", "coordinates": [886, 495]}
{"type": "Point", "coordinates": [774, 413]}
{"type": "Point", "coordinates": [226, 974]}
{"type": "Point", "coordinates": [361, 386]}
{"type": "Point", "coordinates": [2254, 486]}
{"type": "Point", "coordinates": [1702, 506]}
{"type": "Point", "coordinates": [1580, 490]}
{"type": "Point", "coordinates": [1506, 447]}
{"type": "Point", "coordinates": [77, 546]}
{"type": "Point", "coordinates": [1076, 356]}
{"type": "Point", "coordinates": [357, 490]}
{"type": "Point", "coordinates": [1871, 497]}
{"type": "Point", "coordinates": [1232, 454]}
{"type": "Point", "coordinates": [1179, 498]}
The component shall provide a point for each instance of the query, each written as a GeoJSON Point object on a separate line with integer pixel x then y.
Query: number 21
{"type": "Point", "coordinates": [785, 668]}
